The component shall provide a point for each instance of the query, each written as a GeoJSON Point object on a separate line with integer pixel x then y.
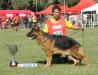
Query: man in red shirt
{"type": "Point", "coordinates": [56, 24]}
{"type": "Point", "coordinates": [16, 22]}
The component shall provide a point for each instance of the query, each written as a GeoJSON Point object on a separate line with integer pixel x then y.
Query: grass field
{"type": "Point", "coordinates": [30, 52]}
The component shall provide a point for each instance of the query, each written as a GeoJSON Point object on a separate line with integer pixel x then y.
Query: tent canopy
{"type": "Point", "coordinates": [91, 8]}
{"type": "Point", "coordinates": [14, 12]}
{"type": "Point", "coordinates": [82, 5]}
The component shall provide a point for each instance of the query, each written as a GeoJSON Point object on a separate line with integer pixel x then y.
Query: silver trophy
{"type": "Point", "coordinates": [13, 48]}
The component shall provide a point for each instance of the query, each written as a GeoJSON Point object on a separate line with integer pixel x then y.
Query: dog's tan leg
{"type": "Point", "coordinates": [79, 54]}
{"type": "Point", "coordinates": [49, 59]}
{"type": "Point", "coordinates": [75, 60]}
{"type": "Point", "coordinates": [83, 57]}
{"type": "Point", "coordinates": [85, 61]}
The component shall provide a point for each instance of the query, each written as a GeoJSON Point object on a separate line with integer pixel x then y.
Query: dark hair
{"type": "Point", "coordinates": [56, 7]}
{"type": "Point", "coordinates": [17, 14]}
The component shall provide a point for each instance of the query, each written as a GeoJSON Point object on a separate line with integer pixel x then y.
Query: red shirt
{"type": "Point", "coordinates": [16, 19]}
{"type": "Point", "coordinates": [56, 28]}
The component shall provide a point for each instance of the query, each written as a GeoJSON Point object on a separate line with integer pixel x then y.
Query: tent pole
{"type": "Point", "coordinates": [83, 43]}
{"type": "Point", "coordinates": [81, 19]}
{"type": "Point", "coordinates": [64, 7]}
{"type": "Point", "coordinates": [36, 5]}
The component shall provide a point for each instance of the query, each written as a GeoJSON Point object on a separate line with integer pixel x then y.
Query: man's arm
{"type": "Point", "coordinates": [76, 27]}
{"type": "Point", "coordinates": [70, 26]}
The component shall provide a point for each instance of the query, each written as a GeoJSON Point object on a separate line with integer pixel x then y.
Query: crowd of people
{"type": "Point", "coordinates": [16, 21]}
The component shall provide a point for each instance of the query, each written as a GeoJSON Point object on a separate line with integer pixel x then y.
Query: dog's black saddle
{"type": "Point", "coordinates": [64, 42]}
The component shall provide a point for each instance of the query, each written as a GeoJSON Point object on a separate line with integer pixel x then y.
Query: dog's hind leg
{"type": "Point", "coordinates": [85, 60]}
{"type": "Point", "coordinates": [75, 60]}
{"type": "Point", "coordinates": [83, 57]}
{"type": "Point", "coordinates": [78, 53]}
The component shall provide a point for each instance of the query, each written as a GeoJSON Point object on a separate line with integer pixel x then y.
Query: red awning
{"type": "Point", "coordinates": [81, 5]}
{"type": "Point", "coordinates": [14, 12]}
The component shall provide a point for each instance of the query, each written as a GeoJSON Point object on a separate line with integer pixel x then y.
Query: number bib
{"type": "Point", "coordinates": [57, 32]}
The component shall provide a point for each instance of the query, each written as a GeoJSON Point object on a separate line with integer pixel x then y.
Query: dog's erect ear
{"type": "Point", "coordinates": [36, 27]}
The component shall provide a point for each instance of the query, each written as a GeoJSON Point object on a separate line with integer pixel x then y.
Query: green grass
{"type": "Point", "coordinates": [30, 52]}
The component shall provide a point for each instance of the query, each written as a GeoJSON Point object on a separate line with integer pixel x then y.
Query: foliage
{"type": "Point", "coordinates": [4, 4]}
{"type": "Point", "coordinates": [39, 4]}
{"type": "Point", "coordinates": [96, 1]}
{"type": "Point", "coordinates": [34, 5]}
{"type": "Point", "coordinates": [69, 3]}
{"type": "Point", "coordinates": [20, 4]}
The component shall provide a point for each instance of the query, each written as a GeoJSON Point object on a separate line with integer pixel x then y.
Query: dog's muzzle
{"type": "Point", "coordinates": [32, 36]}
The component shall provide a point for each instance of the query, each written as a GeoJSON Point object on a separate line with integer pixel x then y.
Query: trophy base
{"type": "Point", "coordinates": [13, 64]}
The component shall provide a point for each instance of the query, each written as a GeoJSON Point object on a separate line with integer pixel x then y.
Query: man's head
{"type": "Point", "coordinates": [56, 10]}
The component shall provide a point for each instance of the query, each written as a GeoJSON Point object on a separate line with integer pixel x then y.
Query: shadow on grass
{"type": "Point", "coordinates": [58, 60]}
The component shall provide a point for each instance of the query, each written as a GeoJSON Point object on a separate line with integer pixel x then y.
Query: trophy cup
{"type": "Point", "coordinates": [13, 50]}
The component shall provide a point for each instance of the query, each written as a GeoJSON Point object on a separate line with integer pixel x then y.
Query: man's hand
{"type": "Point", "coordinates": [76, 27]}
{"type": "Point", "coordinates": [82, 29]}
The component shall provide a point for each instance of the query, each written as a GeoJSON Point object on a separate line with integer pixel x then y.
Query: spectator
{"type": "Point", "coordinates": [3, 22]}
{"type": "Point", "coordinates": [34, 18]}
{"type": "Point", "coordinates": [16, 22]}
{"type": "Point", "coordinates": [30, 21]}
{"type": "Point", "coordinates": [8, 23]}
{"type": "Point", "coordinates": [26, 22]}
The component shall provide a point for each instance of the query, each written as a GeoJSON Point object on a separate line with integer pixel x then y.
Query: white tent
{"type": "Point", "coordinates": [91, 8]}
{"type": "Point", "coordinates": [91, 11]}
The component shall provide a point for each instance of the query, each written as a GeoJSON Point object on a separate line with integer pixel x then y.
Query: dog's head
{"type": "Point", "coordinates": [32, 33]}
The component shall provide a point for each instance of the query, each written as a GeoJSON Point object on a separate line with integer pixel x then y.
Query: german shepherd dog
{"type": "Point", "coordinates": [57, 44]}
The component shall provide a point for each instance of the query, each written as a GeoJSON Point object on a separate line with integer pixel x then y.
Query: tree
{"type": "Point", "coordinates": [39, 5]}
{"type": "Point", "coordinates": [69, 3]}
{"type": "Point", "coordinates": [1, 2]}
{"type": "Point", "coordinates": [20, 4]}
{"type": "Point", "coordinates": [35, 5]}
{"type": "Point", "coordinates": [4, 4]}
{"type": "Point", "coordinates": [96, 0]}
{"type": "Point", "coordinates": [42, 4]}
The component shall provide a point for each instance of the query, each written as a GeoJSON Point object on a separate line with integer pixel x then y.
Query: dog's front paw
{"type": "Point", "coordinates": [47, 65]}
{"type": "Point", "coordinates": [73, 65]}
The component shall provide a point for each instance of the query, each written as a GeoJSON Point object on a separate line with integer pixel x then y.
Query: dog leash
{"type": "Point", "coordinates": [73, 33]}
{"type": "Point", "coordinates": [83, 40]}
